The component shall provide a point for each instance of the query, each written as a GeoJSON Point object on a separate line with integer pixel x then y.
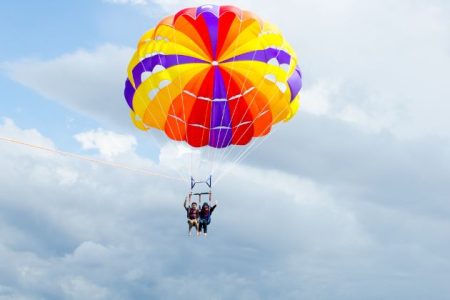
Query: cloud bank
{"type": "Point", "coordinates": [85, 231]}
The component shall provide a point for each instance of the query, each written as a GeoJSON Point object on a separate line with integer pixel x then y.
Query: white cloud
{"type": "Point", "coordinates": [78, 287]}
{"type": "Point", "coordinates": [108, 143]}
{"type": "Point", "coordinates": [119, 235]}
{"type": "Point", "coordinates": [322, 99]}
{"type": "Point", "coordinates": [67, 177]}
{"type": "Point", "coordinates": [10, 130]}
{"type": "Point", "coordinates": [321, 93]}
{"type": "Point", "coordinates": [89, 82]}
{"type": "Point", "coordinates": [384, 58]}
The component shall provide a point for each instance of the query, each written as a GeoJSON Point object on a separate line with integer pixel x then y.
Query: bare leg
{"type": "Point", "coordinates": [197, 227]}
{"type": "Point", "coordinates": [190, 227]}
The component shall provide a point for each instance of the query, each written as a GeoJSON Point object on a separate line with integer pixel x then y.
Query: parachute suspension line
{"type": "Point", "coordinates": [257, 144]}
{"type": "Point", "coordinates": [152, 115]}
{"type": "Point", "coordinates": [170, 96]}
{"type": "Point", "coordinates": [188, 164]}
{"type": "Point", "coordinates": [180, 174]}
{"type": "Point", "coordinates": [207, 156]}
{"type": "Point", "coordinates": [229, 152]}
{"type": "Point", "coordinates": [184, 167]}
{"type": "Point", "coordinates": [89, 159]}
{"type": "Point", "coordinates": [254, 145]}
{"type": "Point", "coordinates": [243, 155]}
{"type": "Point", "coordinates": [190, 161]}
{"type": "Point", "coordinates": [267, 127]}
{"type": "Point", "coordinates": [263, 139]}
{"type": "Point", "coordinates": [236, 44]}
{"type": "Point", "coordinates": [211, 162]}
{"type": "Point", "coordinates": [225, 151]}
{"type": "Point", "coordinates": [248, 150]}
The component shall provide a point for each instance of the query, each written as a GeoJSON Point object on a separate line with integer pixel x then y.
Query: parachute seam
{"type": "Point", "coordinates": [216, 155]}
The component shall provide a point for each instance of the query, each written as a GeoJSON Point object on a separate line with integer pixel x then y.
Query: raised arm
{"type": "Point", "coordinates": [188, 198]}
{"type": "Point", "coordinates": [215, 202]}
{"type": "Point", "coordinates": [210, 199]}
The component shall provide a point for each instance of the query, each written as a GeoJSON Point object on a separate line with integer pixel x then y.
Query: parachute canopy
{"type": "Point", "coordinates": [213, 76]}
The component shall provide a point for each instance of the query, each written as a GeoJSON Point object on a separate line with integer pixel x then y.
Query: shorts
{"type": "Point", "coordinates": [192, 222]}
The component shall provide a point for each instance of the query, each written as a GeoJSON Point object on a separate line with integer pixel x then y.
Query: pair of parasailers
{"type": "Point", "coordinates": [199, 217]}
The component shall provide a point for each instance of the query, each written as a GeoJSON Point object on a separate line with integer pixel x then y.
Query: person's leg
{"type": "Point", "coordinates": [190, 226]}
{"type": "Point", "coordinates": [197, 227]}
{"type": "Point", "coordinates": [205, 225]}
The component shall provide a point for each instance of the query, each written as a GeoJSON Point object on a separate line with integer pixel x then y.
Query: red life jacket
{"type": "Point", "coordinates": [193, 213]}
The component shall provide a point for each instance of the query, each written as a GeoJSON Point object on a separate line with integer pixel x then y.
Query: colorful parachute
{"type": "Point", "coordinates": [213, 75]}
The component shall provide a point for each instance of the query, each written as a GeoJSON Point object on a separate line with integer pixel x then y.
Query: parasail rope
{"type": "Point", "coordinates": [89, 159]}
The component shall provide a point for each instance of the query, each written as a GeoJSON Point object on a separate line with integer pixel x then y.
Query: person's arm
{"type": "Point", "coordinates": [215, 202]}
{"type": "Point", "coordinates": [185, 202]}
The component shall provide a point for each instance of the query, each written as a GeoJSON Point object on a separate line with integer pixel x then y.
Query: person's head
{"type": "Point", "coordinates": [194, 205]}
{"type": "Point", "coordinates": [205, 206]}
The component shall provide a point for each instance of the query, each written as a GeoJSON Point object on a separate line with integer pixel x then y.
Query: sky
{"type": "Point", "coordinates": [349, 200]}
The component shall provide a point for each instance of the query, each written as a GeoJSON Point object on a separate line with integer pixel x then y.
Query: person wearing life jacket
{"type": "Point", "coordinates": [192, 214]}
{"type": "Point", "coordinates": [205, 215]}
